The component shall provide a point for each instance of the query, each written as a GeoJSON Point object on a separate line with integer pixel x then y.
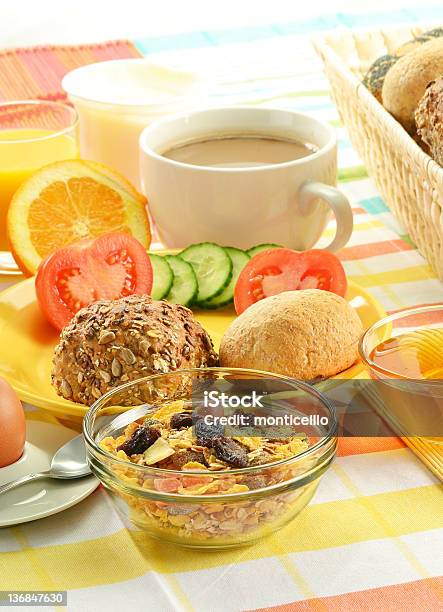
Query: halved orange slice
{"type": "Point", "coordinates": [69, 201]}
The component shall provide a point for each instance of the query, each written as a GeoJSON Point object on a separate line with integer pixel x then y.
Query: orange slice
{"type": "Point", "coordinates": [70, 201]}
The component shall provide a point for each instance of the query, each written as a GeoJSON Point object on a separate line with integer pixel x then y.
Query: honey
{"type": "Point", "coordinates": [410, 368]}
{"type": "Point", "coordinates": [414, 355]}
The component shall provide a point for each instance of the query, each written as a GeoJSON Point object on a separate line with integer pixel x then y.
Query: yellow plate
{"type": "Point", "coordinates": [28, 341]}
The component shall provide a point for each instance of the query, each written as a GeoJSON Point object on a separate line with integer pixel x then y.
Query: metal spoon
{"type": "Point", "coordinates": [68, 462]}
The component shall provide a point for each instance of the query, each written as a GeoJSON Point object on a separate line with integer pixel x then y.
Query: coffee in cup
{"type": "Point", "coordinates": [243, 176]}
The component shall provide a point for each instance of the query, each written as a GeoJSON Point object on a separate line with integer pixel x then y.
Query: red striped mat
{"type": "Point", "coordinates": [36, 72]}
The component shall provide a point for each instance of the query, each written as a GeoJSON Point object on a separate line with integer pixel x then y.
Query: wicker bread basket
{"type": "Point", "coordinates": [410, 182]}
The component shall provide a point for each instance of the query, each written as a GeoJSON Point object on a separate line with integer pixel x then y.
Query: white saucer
{"type": "Point", "coordinates": [43, 497]}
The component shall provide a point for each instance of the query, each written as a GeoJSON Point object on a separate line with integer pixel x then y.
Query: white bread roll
{"type": "Point", "coordinates": [302, 334]}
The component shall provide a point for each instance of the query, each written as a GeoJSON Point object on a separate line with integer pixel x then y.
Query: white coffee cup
{"type": "Point", "coordinates": [286, 203]}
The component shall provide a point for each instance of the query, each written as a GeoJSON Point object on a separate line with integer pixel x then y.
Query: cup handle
{"type": "Point", "coordinates": [312, 190]}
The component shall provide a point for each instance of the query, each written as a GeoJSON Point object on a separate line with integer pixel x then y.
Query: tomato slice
{"type": "Point", "coordinates": [277, 270]}
{"type": "Point", "coordinates": [105, 268]}
{"type": "Point", "coordinates": [323, 270]}
{"type": "Point", "coordinates": [267, 273]}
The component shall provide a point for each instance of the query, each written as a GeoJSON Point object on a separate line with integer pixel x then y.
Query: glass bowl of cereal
{"type": "Point", "coordinates": [211, 457]}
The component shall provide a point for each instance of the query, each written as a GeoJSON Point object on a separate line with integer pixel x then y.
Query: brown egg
{"type": "Point", "coordinates": [12, 425]}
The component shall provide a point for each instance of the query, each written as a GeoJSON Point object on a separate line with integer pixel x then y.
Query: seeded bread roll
{"type": "Point", "coordinates": [376, 74]}
{"type": "Point", "coordinates": [112, 342]}
{"type": "Point", "coordinates": [429, 119]}
{"type": "Point", "coordinates": [406, 81]}
{"type": "Point", "coordinates": [413, 44]}
{"type": "Point", "coordinates": [303, 334]}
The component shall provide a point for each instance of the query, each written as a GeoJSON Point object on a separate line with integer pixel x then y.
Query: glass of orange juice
{"type": "Point", "coordinates": [33, 134]}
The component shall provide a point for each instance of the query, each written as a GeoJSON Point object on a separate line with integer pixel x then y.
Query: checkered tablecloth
{"type": "Point", "coordinates": [371, 539]}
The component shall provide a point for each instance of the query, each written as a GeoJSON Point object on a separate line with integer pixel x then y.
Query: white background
{"type": "Point", "coordinates": [33, 22]}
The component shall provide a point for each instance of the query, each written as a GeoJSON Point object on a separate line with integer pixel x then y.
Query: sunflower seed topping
{"type": "Point", "coordinates": [65, 388]}
{"type": "Point", "coordinates": [127, 356]}
{"type": "Point", "coordinates": [145, 346]}
{"type": "Point", "coordinates": [106, 336]}
{"type": "Point", "coordinates": [116, 368]}
{"type": "Point", "coordinates": [105, 376]}
{"type": "Point", "coordinates": [96, 392]}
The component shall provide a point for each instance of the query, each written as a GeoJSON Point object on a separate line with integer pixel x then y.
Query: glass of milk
{"type": "Point", "coordinates": [117, 99]}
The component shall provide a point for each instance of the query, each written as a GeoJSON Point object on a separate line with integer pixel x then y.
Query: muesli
{"type": "Point", "coordinates": [169, 440]}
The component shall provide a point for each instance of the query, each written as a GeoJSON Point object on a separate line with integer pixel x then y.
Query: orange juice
{"type": "Point", "coordinates": [22, 152]}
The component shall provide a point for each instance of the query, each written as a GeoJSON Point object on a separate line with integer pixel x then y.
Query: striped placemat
{"type": "Point", "coordinates": [36, 73]}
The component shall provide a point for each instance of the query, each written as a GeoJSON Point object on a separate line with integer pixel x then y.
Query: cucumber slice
{"type": "Point", "coordinates": [262, 247]}
{"type": "Point", "coordinates": [239, 260]}
{"type": "Point", "coordinates": [212, 267]}
{"type": "Point", "coordinates": [163, 277]}
{"type": "Point", "coordinates": [184, 286]}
